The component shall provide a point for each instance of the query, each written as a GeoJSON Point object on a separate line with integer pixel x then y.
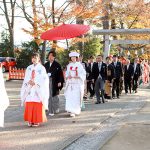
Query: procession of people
{"type": "Point", "coordinates": [101, 80]}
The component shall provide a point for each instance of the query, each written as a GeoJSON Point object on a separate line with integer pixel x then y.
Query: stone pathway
{"type": "Point", "coordinates": [90, 131]}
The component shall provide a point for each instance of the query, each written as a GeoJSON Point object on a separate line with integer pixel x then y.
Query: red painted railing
{"type": "Point", "coordinates": [16, 74]}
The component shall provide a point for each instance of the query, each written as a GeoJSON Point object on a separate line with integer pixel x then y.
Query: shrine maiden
{"type": "Point", "coordinates": [75, 77]}
{"type": "Point", "coordinates": [4, 101]}
{"type": "Point", "coordinates": [35, 92]}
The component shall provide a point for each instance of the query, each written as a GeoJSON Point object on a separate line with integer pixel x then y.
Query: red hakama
{"type": "Point", "coordinates": [34, 112]}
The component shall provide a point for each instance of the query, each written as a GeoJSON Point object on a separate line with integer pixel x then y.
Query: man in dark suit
{"type": "Point", "coordinates": [56, 79]}
{"type": "Point", "coordinates": [99, 73]}
{"type": "Point", "coordinates": [90, 84]}
{"type": "Point", "coordinates": [121, 80]}
{"type": "Point", "coordinates": [117, 76]}
{"type": "Point", "coordinates": [137, 74]}
{"type": "Point", "coordinates": [128, 75]}
{"type": "Point", "coordinates": [109, 78]}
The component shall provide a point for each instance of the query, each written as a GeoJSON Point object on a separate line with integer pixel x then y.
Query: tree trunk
{"type": "Point", "coordinates": [35, 23]}
{"type": "Point", "coordinates": [53, 21]}
{"type": "Point", "coordinates": [106, 47]}
{"type": "Point", "coordinates": [12, 42]}
{"type": "Point", "coordinates": [10, 23]}
{"type": "Point", "coordinates": [43, 55]}
{"type": "Point", "coordinates": [79, 20]}
{"type": "Point", "coordinates": [80, 44]}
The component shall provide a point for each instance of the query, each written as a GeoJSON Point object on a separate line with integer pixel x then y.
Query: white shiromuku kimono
{"type": "Point", "coordinates": [4, 101]}
{"type": "Point", "coordinates": [74, 87]}
{"type": "Point", "coordinates": [40, 91]}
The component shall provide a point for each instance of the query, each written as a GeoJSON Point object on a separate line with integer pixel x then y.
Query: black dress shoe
{"type": "Point", "coordinates": [118, 97]}
{"type": "Point", "coordinates": [97, 102]}
{"type": "Point", "coordinates": [85, 97]}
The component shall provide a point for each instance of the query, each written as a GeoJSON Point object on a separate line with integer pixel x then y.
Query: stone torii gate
{"type": "Point", "coordinates": [107, 33]}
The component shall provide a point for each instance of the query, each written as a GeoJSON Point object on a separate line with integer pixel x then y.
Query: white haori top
{"type": "Point", "coordinates": [74, 87]}
{"type": "Point", "coordinates": [76, 69]}
{"type": "Point", "coordinates": [4, 101]}
{"type": "Point", "coordinates": [40, 91]}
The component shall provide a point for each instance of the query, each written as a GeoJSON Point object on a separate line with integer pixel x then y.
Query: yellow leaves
{"type": "Point", "coordinates": [78, 9]}
{"type": "Point", "coordinates": [144, 56]}
{"type": "Point", "coordinates": [45, 26]}
{"type": "Point", "coordinates": [58, 48]}
{"type": "Point", "coordinates": [36, 19]}
{"type": "Point", "coordinates": [137, 37]}
{"type": "Point", "coordinates": [90, 14]}
{"type": "Point", "coordinates": [76, 40]}
{"type": "Point", "coordinates": [131, 53]}
{"type": "Point", "coordinates": [34, 33]}
{"type": "Point", "coordinates": [85, 10]}
{"type": "Point", "coordinates": [38, 41]}
{"type": "Point", "coordinates": [133, 13]}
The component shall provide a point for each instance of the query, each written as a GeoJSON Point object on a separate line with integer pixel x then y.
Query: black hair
{"type": "Point", "coordinates": [100, 56]}
{"type": "Point", "coordinates": [115, 56]}
{"type": "Point", "coordinates": [91, 57]}
{"type": "Point", "coordinates": [76, 58]}
{"type": "Point", "coordinates": [53, 53]}
{"type": "Point", "coordinates": [36, 54]}
{"type": "Point", "coordinates": [107, 58]}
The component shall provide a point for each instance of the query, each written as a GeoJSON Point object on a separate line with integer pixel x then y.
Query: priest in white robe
{"type": "Point", "coordinates": [4, 101]}
{"type": "Point", "coordinates": [75, 77]}
{"type": "Point", "coordinates": [35, 92]}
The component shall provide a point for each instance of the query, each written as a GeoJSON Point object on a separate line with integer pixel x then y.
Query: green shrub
{"type": "Point", "coordinates": [24, 56]}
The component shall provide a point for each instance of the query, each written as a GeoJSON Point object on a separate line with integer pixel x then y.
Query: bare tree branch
{"type": "Point", "coordinates": [43, 9]}
{"type": "Point", "coordinates": [58, 8]}
{"type": "Point", "coordinates": [135, 19]}
{"type": "Point", "coordinates": [6, 14]}
{"type": "Point", "coordinates": [63, 11]}
{"type": "Point", "coordinates": [2, 9]}
{"type": "Point", "coordinates": [10, 21]}
{"type": "Point", "coordinates": [15, 16]}
{"type": "Point", "coordinates": [27, 16]}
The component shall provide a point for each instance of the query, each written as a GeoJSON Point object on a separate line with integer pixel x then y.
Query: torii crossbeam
{"type": "Point", "coordinates": [107, 33]}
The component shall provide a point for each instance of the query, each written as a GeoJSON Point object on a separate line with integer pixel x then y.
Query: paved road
{"type": "Point", "coordinates": [135, 133]}
{"type": "Point", "coordinates": [90, 131]}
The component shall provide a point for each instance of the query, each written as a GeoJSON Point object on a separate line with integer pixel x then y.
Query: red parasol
{"type": "Point", "coordinates": [65, 31]}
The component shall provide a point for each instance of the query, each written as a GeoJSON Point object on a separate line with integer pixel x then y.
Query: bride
{"type": "Point", "coordinates": [75, 77]}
